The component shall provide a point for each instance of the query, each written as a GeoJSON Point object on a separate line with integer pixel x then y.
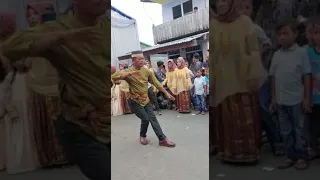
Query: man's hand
{"type": "Point", "coordinates": [170, 97]}
{"type": "Point", "coordinates": [307, 107]}
{"type": "Point", "coordinates": [272, 107]}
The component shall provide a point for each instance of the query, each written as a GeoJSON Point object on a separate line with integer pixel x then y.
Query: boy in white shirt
{"type": "Point", "coordinates": [200, 91]}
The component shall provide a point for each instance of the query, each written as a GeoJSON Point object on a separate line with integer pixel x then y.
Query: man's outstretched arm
{"type": "Point", "coordinates": [123, 74]}
{"type": "Point", "coordinates": [30, 42]}
{"type": "Point", "coordinates": [36, 41]}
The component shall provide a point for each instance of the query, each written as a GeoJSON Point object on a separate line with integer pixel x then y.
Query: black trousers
{"type": "Point", "coordinates": [146, 115]}
{"type": "Point", "coordinates": [91, 156]}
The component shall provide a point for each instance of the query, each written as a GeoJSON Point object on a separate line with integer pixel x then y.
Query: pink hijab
{"type": "Point", "coordinates": [182, 61]}
{"type": "Point", "coordinates": [173, 66]}
{"type": "Point", "coordinates": [113, 69]}
{"type": "Point", "coordinates": [233, 13]}
{"type": "Point", "coordinates": [8, 25]}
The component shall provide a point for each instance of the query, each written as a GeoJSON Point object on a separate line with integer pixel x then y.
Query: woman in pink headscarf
{"type": "Point", "coordinates": [124, 92]}
{"type": "Point", "coordinates": [170, 81]}
{"type": "Point", "coordinates": [236, 73]}
{"type": "Point", "coordinates": [116, 108]}
{"type": "Point", "coordinates": [183, 86]}
{"type": "Point", "coordinates": [17, 152]}
{"type": "Point", "coordinates": [43, 97]}
{"type": "Point", "coordinates": [113, 69]}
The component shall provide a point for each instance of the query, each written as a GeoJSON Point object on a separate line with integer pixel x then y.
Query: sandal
{"type": "Point", "coordinates": [301, 164]}
{"type": "Point", "coordinates": [287, 164]}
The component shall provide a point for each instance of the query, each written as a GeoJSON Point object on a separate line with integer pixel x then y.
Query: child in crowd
{"type": "Point", "coordinates": [205, 74]}
{"type": "Point", "coordinates": [291, 90]}
{"type": "Point", "coordinates": [314, 57]}
{"type": "Point", "coordinates": [200, 92]}
{"type": "Point", "coordinates": [308, 33]}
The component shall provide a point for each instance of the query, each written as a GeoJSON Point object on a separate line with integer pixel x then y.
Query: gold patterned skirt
{"type": "Point", "coordinates": [124, 103]}
{"type": "Point", "coordinates": [236, 126]}
{"type": "Point", "coordinates": [183, 102]}
{"type": "Point", "coordinates": [49, 150]}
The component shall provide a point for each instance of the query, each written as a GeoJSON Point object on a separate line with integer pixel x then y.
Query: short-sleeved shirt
{"type": "Point", "coordinates": [288, 68]}
{"type": "Point", "coordinates": [159, 75]}
{"type": "Point", "coordinates": [314, 57]}
{"type": "Point", "coordinates": [199, 83]}
{"type": "Point", "coordinates": [195, 66]}
{"type": "Point", "coordinates": [207, 83]}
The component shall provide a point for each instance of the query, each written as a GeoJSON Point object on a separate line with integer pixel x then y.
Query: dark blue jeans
{"type": "Point", "coordinates": [294, 130]}
{"type": "Point", "coordinates": [270, 125]}
{"type": "Point", "coordinates": [91, 156]}
{"type": "Point", "coordinates": [146, 115]}
{"type": "Point", "coordinates": [193, 99]}
{"type": "Point", "coordinates": [201, 103]}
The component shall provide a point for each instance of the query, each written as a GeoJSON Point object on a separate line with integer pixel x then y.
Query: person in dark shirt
{"type": "Point", "coordinates": [159, 73]}
{"type": "Point", "coordinates": [196, 63]}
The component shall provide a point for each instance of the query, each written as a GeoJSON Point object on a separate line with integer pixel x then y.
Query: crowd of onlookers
{"type": "Point", "coordinates": [294, 95]}
{"type": "Point", "coordinates": [188, 83]}
{"type": "Point", "coordinates": [289, 98]}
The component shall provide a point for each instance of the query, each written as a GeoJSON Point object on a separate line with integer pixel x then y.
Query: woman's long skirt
{"type": "Point", "coordinates": [183, 102]}
{"type": "Point", "coordinates": [50, 151]}
{"type": "Point", "coordinates": [124, 103]}
{"type": "Point", "coordinates": [20, 152]}
{"type": "Point", "coordinates": [116, 102]}
{"type": "Point", "coordinates": [237, 129]}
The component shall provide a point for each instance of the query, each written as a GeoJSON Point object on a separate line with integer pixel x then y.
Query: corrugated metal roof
{"type": "Point", "coordinates": [171, 43]}
{"type": "Point", "coordinates": [179, 41]}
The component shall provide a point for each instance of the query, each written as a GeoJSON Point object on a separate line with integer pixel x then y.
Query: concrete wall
{"type": "Point", "coordinates": [167, 8]}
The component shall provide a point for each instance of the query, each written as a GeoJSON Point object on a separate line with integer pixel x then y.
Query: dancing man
{"type": "Point", "coordinates": [138, 77]}
{"type": "Point", "coordinates": [77, 46]}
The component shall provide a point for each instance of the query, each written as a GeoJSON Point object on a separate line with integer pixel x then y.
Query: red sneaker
{"type": "Point", "coordinates": [144, 140]}
{"type": "Point", "coordinates": [167, 143]}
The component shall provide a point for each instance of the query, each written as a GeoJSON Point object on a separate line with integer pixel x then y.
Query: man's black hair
{"type": "Point", "coordinates": [291, 23]}
{"type": "Point", "coordinates": [195, 8]}
{"type": "Point", "coordinates": [160, 63]}
{"type": "Point", "coordinates": [196, 56]}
